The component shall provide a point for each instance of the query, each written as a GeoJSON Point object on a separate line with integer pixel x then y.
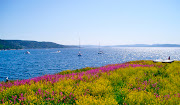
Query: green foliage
{"type": "Point", "coordinates": [1, 46]}
{"type": "Point", "coordinates": [75, 71]}
{"type": "Point", "coordinates": [21, 44]}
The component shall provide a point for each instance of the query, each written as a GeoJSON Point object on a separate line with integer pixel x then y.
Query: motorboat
{"type": "Point", "coordinates": [167, 61]}
{"type": "Point", "coordinates": [158, 60]}
{"type": "Point", "coordinates": [27, 52]}
{"type": "Point", "coordinates": [58, 51]}
{"type": "Point", "coordinates": [163, 61]}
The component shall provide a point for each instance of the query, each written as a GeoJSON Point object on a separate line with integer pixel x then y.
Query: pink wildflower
{"type": "Point", "coordinates": [61, 93]}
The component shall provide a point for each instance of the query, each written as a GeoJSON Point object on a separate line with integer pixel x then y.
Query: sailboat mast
{"type": "Point", "coordinates": [79, 44]}
{"type": "Point", "coordinates": [99, 46]}
{"type": "Point", "coordinates": [79, 49]}
{"type": "Point", "coordinates": [100, 52]}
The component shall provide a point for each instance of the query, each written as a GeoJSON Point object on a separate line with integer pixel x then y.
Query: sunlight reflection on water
{"type": "Point", "coordinates": [17, 65]}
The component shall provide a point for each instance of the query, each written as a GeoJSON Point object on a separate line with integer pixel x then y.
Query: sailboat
{"type": "Point", "coordinates": [79, 54]}
{"type": "Point", "coordinates": [100, 52]}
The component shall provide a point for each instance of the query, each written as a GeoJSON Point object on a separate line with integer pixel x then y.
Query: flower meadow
{"type": "Point", "coordinates": [135, 82]}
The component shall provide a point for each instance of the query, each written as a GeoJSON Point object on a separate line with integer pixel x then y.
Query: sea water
{"type": "Point", "coordinates": [16, 64]}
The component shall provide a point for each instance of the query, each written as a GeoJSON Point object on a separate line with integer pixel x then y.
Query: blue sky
{"type": "Point", "coordinates": [110, 22]}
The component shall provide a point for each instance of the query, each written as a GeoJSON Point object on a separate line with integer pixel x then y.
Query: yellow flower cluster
{"type": "Point", "coordinates": [157, 84]}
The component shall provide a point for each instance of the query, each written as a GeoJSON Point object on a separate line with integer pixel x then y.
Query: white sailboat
{"type": "Point", "coordinates": [100, 52]}
{"type": "Point", "coordinates": [79, 54]}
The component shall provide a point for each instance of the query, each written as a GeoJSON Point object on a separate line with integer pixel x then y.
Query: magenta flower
{"type": "Point", "coordinates": [14, 97]}
{"type": "Point", "coordinates": [61, 93]}
{"type": "Point", "coordinates": [56, 77]}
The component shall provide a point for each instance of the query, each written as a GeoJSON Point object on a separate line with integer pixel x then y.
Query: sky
{"type": "Point", "coordinates": [108, 22]}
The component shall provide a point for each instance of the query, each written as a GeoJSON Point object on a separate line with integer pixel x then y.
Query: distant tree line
{"type": "Point", "coordinates": [22, 44]}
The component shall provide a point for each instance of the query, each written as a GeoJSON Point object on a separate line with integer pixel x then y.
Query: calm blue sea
{"type": "Point", "coordinates": [17, 65]}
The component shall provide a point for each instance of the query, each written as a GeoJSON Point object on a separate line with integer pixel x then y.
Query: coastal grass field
{"type": "Point", "coordinates": [135, 82]}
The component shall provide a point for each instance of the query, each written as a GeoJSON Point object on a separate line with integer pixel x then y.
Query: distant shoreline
{"type": "Point", "coordinates": [24, 44]}
{"type": "Point", "coordinates": [34, 48]}
{"type": "Point", "coordinates": [136, 45]}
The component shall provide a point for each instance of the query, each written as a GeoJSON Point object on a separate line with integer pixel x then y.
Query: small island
{"type": "Point", "coordinates": [135, 82]}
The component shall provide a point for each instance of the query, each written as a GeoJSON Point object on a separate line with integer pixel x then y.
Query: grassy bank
{"type": "Point", "coordinates": [137, 82]}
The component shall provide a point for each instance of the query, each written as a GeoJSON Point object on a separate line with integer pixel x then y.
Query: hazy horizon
{"type": "Point", "coordinates": [115, 22]}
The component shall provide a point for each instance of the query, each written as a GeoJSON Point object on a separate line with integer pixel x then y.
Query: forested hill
{"type": "Point", "coordinates": [22, 44]}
